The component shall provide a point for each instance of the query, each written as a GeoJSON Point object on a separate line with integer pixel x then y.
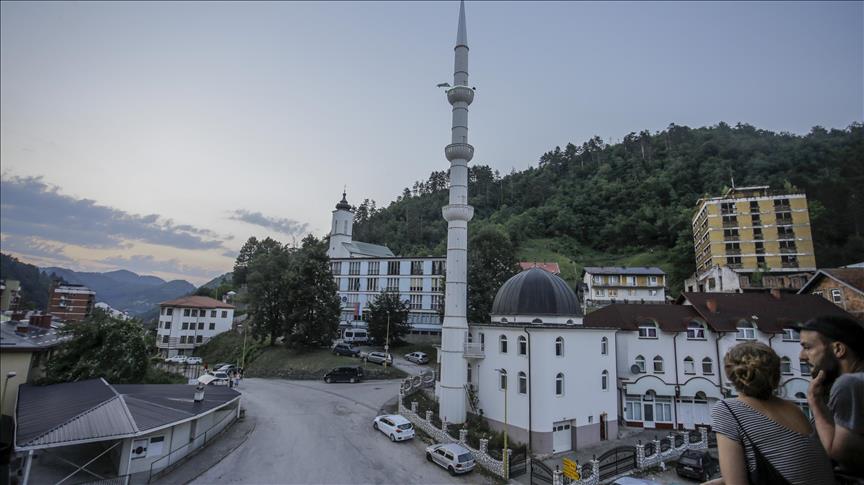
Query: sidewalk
{"type": "Point", "coordinates": [212, 454]}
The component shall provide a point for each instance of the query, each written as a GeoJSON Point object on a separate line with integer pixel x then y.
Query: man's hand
{"type": "Point", "coordinates": [817, 389]}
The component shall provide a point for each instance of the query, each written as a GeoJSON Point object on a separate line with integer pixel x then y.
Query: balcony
{"type": "Point", "coordinates": [782, 208]}
{"type": "Point", "coordinates": [788, 250]}
{"type": "Point", "coordinates": [790, 264]}
{"type": "Point", "coordinates": [728, 224]}
{"type": "Point", "coordinates": [733, 252]}
{"type": "Point", "coordinates": [459, 151]}
{"type": "Point", "coordinates": [731, 238]}
{"type": "Point", "coordinates": [474, 351]}
{"type": "Point", "coordinates": [735, 265]}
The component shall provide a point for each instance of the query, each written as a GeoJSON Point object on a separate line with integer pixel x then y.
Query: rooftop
{"type": "Point", "coordinates": [626, 270]}
{"type": "Point", "coordinates": [550, 267]}
{"type": "Point", "coordinates": [36, 339]}
{"type": "Point", "coordinates": [196, 302]}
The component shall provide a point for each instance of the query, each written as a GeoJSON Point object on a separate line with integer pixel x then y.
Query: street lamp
{"type": "Point", "coordinates": [10, 375]}
{"type": "Point", "coordinates": [506, 426]}
{"type": "Point", "coordinates": [387, 340]}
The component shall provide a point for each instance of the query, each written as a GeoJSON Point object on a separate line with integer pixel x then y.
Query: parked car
{"type": "Point", "coordinates": [379, 358]}
{"type": "Point", "coordinates": [214, 379]}
{"type": "Point", "coordinates": [194, 361]}
{"type": "Point", "coordinates": [345, 349]}
{"type": "Point", "coordinates": [394, 426]}
{"type": "Point", "coordinates": [353, 335]}
{"type": "Point", "coordinates": [221, 364]}
{"type": "Point", "coordinates": [177, 359]}
{"type": "Point", "coordinates": [455, 458]}
{"type": "Point", "coordinates": [417, 357]}
{"type": "Point", "coordinates": [227, 368]}
{"type": "Point", "coordinates": [697, 464]}
{"type": "Point", "coordinates": [348, 373]}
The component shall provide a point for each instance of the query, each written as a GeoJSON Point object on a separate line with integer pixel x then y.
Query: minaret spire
{"type": "Point", "coordinates": [452, 394]}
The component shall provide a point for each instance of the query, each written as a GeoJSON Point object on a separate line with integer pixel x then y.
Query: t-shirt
{"type": "Point", "coordinates": [801, 459]}
{"type": "Point", "coordinates": [846, 402]}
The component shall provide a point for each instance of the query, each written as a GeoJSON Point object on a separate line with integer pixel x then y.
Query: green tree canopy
{"type": "Point", "coordinates": [387, 307]}
{"type": "Point", "coordinates": [491, 262]}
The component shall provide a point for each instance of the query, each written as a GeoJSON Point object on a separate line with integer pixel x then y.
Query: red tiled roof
{"type": "Point", "coordinates": [853, 277]}
{"type": "Point", "coordinates": [196, 302]}
{"type": "Point", "coordinates": [550, 267]}
{"type": "Point", "coordinates": [628, 316]}
{"type": "Point", "coordinates": [773, 313]}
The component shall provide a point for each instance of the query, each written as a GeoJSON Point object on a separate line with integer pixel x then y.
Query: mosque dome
{"type": "Point", "coordinates": [343, 204]}
{"type": "Point", "coordinates": [536, 291]}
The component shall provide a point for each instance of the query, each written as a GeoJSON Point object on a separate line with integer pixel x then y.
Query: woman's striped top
{"type": "Point", "coordinates": [801, 459]}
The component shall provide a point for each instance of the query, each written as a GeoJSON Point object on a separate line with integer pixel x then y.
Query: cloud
{"type": "Point", "coordinates": [285, 226]}
{"type": "Point", "coordinates": [34, 248]}
{"type": "Point", "coordinates": [145, 264]}
{"type": "Point", "coordinates": [30, 207]}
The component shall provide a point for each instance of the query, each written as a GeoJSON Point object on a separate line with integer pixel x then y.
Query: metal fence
{"type": "Point", "coordinates": [185, 370]}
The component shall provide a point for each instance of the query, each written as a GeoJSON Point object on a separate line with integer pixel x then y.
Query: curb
{"type": "Point", "coordinates": [232, 450]}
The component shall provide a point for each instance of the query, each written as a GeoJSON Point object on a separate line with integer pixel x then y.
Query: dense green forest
{"type": "Point", "coordinates": [34, 283]}
{"type": "Point", "coordinates": [631, 203]}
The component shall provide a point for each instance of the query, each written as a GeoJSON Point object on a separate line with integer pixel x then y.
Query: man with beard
{"type": "Point", "coordinates": [834, 348]}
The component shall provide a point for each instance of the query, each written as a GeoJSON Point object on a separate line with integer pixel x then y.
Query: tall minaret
{"type": "Point", "coordinates": [341, 228]}
{"type": "Point", "coordinates": [452, 395]}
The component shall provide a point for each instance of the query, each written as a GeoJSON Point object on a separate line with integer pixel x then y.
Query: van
{"type": "Point", "coordinates": [350, 374]}
{"type": "Point", "coordinates": [355, 335]}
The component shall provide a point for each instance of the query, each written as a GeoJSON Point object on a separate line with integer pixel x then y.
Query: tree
{"type": "Point", "coordinates": [269, 285]}
{"type": "Point", "coordinates": [251, 248]}
{"type": "Point", "coordinates": [204, 291]}
{"type": "Point", "coordinates": [387, 305]}
{"type": "Point", "coordinates": [314, 317]}
{"type": "Point", "coordinates": [491, 262]}
{"type": "Point", "coordinates": [101, 346]}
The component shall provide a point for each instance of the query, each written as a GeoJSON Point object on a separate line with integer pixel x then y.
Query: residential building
{"type": "Point", "coordinates": [736, 280]}
{"type": "Point", "coordinates": [613, 284]}
{"type": "Point", "coordinates": [140, 428]}
{"type": "Point", "coordinates": [113, 312]}
{"type": "Point", "coordinates": [10, 295]}
{"type": "Point", "coordinates": [362, 271]}
{"type": "Point", "coordinates": [754, 231]}
{"type": "Point", "coordinates": [843, 287]}
{"type": "Point", "coordinates": [550, 267]}
{"type": "Point", "coordinates": [189, 322]}
{"type": "Point", "coordinates": [71, 303]}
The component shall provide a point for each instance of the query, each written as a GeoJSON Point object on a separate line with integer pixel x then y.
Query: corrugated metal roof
{"type": "Point", "coordinates": [366, 249]}
{"type": "Point", "coordinates": [109, 419]}
{"type": "Point", "coordinates": [629, 270]}
{"type": "Point", "coordinates": [196, 302]}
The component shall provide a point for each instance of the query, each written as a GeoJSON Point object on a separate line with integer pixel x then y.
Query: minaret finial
{"type": "Point", "coordinates": [462, 33]}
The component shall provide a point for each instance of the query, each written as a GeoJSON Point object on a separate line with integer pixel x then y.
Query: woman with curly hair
{"type": "Point", "coordinates": [761, 438]}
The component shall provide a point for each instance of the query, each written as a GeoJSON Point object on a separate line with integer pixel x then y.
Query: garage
{"type": "Point", "coordinates": [562, 437]}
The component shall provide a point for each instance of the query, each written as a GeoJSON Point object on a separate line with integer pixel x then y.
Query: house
{"type": "Point", "coordinates": [10, 295]}
{"type": "Point", "coordinates": [362, 271]}
{"type": "Point", "coordinates": [139, 428]}
{"type": "Point", "coordinates": [736, 280]}
{"type": "Point", "coordinates": [189, 322]}
{"type": "Point", "coordinates": [113, 312]}
{"type": "Point", "coordinates": [550, 267]}
{"type": "Point", "coordinates": [610, 284]}
{"type": "Point", "coordinates": [842, 286]}
{"type": "Point", "coordinates": [71, 303]}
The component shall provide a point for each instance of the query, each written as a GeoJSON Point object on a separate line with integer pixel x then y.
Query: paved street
{"type": "Point", "coordinates": [312, 432]}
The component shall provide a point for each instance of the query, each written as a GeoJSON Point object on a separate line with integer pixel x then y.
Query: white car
{"type": "Point", "coordinates": [417, 357]}
{"type": "Point", "coordinates": [379, 358]}
{"type": "Point", "coordinates": [177, 359]}
{"type": "Point", "coordinates": [194, 361]}
{"type": "Point", "coordinates": [214, 379]}
{"type": "Point", "coordinates": [455, 458]}
{"type": "Point", "coordinates": [394, 426]}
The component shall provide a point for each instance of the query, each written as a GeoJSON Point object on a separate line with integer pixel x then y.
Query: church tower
{"type": "Point", "coordinates": [340, 229]}
{"type": "Point", "coordinates": [452, 395]}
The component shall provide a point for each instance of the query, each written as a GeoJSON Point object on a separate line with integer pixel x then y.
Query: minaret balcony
{"type": "Point", "coordinates": [459, 151]}
{"type": "Point", "coordinates": [458, 94]}
{"type": "Point", "coordinates": [474, 351]}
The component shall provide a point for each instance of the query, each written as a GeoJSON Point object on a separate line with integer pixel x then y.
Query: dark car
{"type": "Point", "coordinates": [345, 349]}
{"type": "Point", "coordinates": [351, 373]}
{"type": "Point", "coordinates": [697, 464]}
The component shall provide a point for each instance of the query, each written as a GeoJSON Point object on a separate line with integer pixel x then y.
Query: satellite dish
{"type": "Point", "coordinates": [635, 369]}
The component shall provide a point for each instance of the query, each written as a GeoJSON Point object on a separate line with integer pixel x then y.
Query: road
{"type": "Point", "coordinates": [310, 432]}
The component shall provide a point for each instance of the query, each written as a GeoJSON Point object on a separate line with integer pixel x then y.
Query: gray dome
{"type": "Point", "coordinates": [536, 292]}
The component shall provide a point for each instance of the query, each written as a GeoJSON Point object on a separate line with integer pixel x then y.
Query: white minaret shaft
{"type": "Point", "coordinates": [452, 395]}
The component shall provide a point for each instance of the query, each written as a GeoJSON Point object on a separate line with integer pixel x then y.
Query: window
{"type": "Point", "coordinates": [559, 347]}
{"type": "Point", "coordinates": [632, 292]}
{"type": "Point", "coordinates": [468, 368]}
{"type": "Point", "coordinates": [416, 284]}
{"type": "Point", "coordinates": [167, 325]}
{"type": "Point", "coordinates": [647, 330]}
{"type": "Point", "coordinates": [836, 296]}
{"type": "Point", "coordinates": [598, 280]}
{"type": "Point", "coordinates": [785, 366]}
{"type": "Point", "coordinates": [212, 326]}
{"type": "Point", "coordinates": [393, 267]}
{"type": "Point", "coordinates": [640, 363]}
{"type": "Point", "coordinates": [663, 409]}
{"type": "Point", "coordinates": [224, 313]}
{"type": "Point", "coordinates": [805, 368]}
{"type": "Point", "coordinates": [658, 364]}
{"type": "Point", "coordinates": [482, 341]}
{"type": "Point", "coordinates": [631, 281]}
{"type": "Point", "coordinates": [757, 233]}
{"type": "Point", "coordinates": [438, 284]}
{"type": "Point", "coordinates": [689, 365]}
{"type": "Point", "coordinates": [733, 260]}
{"type": "Point", "coordinates": [502, 379]}
{"type": "Point", "coordinates": [695, 331]}
{"type": "Point", "coordinates": [437, 302]}
{"type": "Point", "coordinates": [416, 302]}
{"type": "Point", "coordinates": [354, 268]}
{"type": "Point", "coordinates": [745, 331]}
{"type": "Point", "coordinates": [633, 408]}
{"type": "Point", "coordinates": [439, 267]}
{"type": "Point", "coordinates": [652, 280]}
{"type": "Point", "coordinates": [416, 267]}
{"type": "Point", "coordinates": [199, 339]}
{"type": "Point", "coordinates": [652, 292]}
{"type": "Point", "coordinates": [169, 311]}
{"type": "Point", "coordinates": [336, 267]}
{"type": "Point", "coordinates": [371, 284]}
{"type": "Point", "coordinates": [185, 326]}
{"type": "Point", "coordinates": [604, 380]}
{"type": "Point", "coordinates": [212, 313]}
{"type": "Point", "coordinates": [164, 339]}
{"type": "Point", "coordinates": [392, 284]}
{"type": "Point", "coordinates": [604, 346]}
{"type": "Point", "coordinates": [523, 346]}
{"type": "Point", "coordinates": [186, 312]}
{"type": "Point", "coordinates": [613, 280]}
{"type": "Point", "coordinates": [707, 366]}
{"type": "Point", "coordinates": [559, 384]}
{"type": "Point", "coordinates": [374, 268]}
{"type": "Point", "coordinates": [801, 401]}
{"type": "Point", "coordinates": [182, 339]}
{"type": "Point", "coordinates": [353, 284]}
{"type": "Point", "coordinates": [200, 325]}
{"type": "Point", "coordinates": [523, 383]}
{"type": "Point", "coordinates": [599, 292]}
{"type": "Point", "coordinates": [613, 293]}
{"type": "Point", "coordinates": [791, 335]}
{"type": "Point", "coordinates": [502, 344]}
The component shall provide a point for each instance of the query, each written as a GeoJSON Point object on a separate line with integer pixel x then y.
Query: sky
{"type": "Point", "coordinates": [158, 136]}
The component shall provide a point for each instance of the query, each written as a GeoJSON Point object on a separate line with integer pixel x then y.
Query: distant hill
{"type": "Point", "coordinates": [125, 290]}
{"type": "Point", "coordinates": [215, 282]}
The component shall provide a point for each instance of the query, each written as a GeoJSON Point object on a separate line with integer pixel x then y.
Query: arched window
{"type": "Point", "coordinates": [559, 346]}
{"type": "Point", "coordinates": [502, 383]}
{"type": "Point", "coordinates": [559, 384]}
{"type": "Point", "coordinates": [658, 364]}
{"type": "Point", "coordinates": [523, 346]}
{"type": "Point", "coordinates": [785, 365]}
{"type": "Point", "coordinates": [700, 398]}
{"type": "Point", "coordinates": [707, 366]}
{"type": "Point", "coordinates": [523, 383]}
{"type": "Point", "coordinates": [640, 363]}
{"type": "Point", "coordinates": [647, 330]}
{"type": "Point", "coordinates": [689, 365]}
{"type": "Point", "coordinates": [604, 380]}
{"type": "Point", "coordinates": [745, 331]}
{"type": "Point", "coordinates": [695, 331]}
{"type": "Point", "coordinates": [604, 346]}
{"type": "Point", "coordinates": [502, 344]}
{"type": "Point", "coordinates": [536, 320]}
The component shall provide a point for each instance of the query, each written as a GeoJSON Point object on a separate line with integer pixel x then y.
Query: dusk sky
{"type": "Point", "coordinates": [157, 137]}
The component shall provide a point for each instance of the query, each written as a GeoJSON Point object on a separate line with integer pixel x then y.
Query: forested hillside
{"type": "Point", "coordinates": [631, 202]}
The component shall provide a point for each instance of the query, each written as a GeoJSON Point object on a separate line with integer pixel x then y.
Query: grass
{"type": "Point", "coordinates": [407, 348]}
{"type": "Point", "coordinates": [310, 364]}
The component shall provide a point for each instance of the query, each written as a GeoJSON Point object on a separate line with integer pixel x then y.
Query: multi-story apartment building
{"type": "Point", "coordinates": [362, 271]}
{"type": "Point", "coordinates": [189, 322]}
{"type": "Point", "coordinates": [610, 284]}
{"type": "Point", "coordinates": [753, 231]}
{"type": "Point", "coordinates": [71, 303]}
